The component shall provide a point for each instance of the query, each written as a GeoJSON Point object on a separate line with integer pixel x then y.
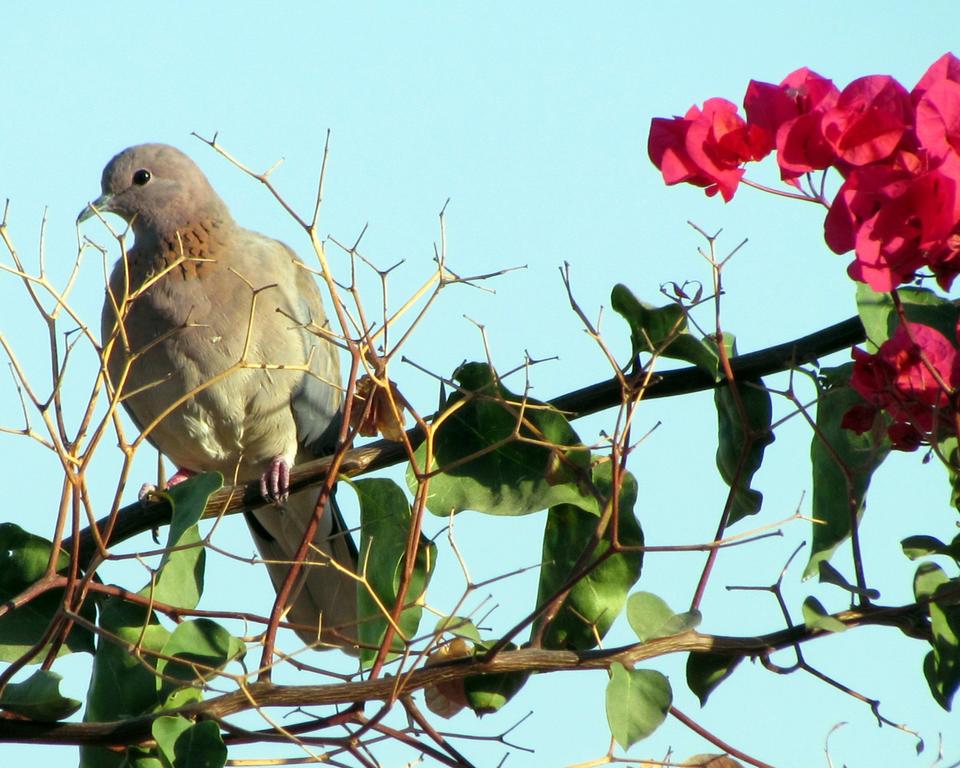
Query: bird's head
{"type": "Point", "coordinates": [157, 189]}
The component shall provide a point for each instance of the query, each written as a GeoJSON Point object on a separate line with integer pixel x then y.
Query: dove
{"type": "Point", "coordinates": [205, 333]}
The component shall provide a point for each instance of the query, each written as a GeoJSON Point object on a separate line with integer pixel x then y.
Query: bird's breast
{"type": "Point", "coordinates": [200, 380]}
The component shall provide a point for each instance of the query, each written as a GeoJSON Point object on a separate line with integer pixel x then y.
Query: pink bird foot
{"type": "Point", "coordinates": [181, 474]}
{"type": "Point", "coordinates": [275, 482]}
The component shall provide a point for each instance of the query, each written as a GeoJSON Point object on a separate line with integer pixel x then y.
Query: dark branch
{"type": "Point", "coordinates": [139, 517]}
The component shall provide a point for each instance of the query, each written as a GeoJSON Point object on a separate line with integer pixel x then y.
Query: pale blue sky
{"type": "Point", "coordinates": [532, 120]}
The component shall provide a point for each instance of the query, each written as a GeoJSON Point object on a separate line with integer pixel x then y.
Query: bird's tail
{"type": "Point", "coordinates": [324, 596]}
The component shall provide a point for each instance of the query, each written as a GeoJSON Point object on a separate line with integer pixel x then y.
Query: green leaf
{"type": "Point", "coordinates": [942, 671]}
{"type": "Point", "coordinates": [458, 627]}
{"type": "Point", "coordinates": [916, 547]}
{"type": "Point", "coordinates": [126, 678]}
{"type": "Point", "coordinates": [646, 613]}
{"type": "Point", "coordinates": [487, 467]}
{"type": "Point", "coordinates": [830, 575]}
{"type": "Point", "coordinates": [385, 520]}
{"type": "Point", "coordinates": [179, 578]}
{"type": "Point", "coordinates": [180, 697]}
{"type": "Point", "coordinates": [24, 556]}
{"type": "Point", "coordinates": [637, 703]}
{"type": "Point", "coordinates": [135, 758]}
{"type": "Point", "coordinates": [662, 331]}
{"type": "Point", "coordinates": [195, 651]}
{"type": "Point", "coordinates": [23, 561]}
{"type": "Point", "coordinates": [705, 671]}
{"type": "Point", "coordinates": [650, 617]}
{"type": "Point", "coordinates": [185, 744]}
{"type": "Point", "coordinates": [123, 682]}
{"type": "Point", "coordinates": [949, 446]}
{"type": "Point", "coordinates": [188, 500]}
{"type": "Point", "coordinates": [843, 463]}
{"type": "Point", "coordinates": [743, 433]}
{"type": "Point", "coordinates": [488, 693]}
{"type": "Point", "coordinates": [595, 601]}
{"type": "Point", "coordinates": [941, 666]}
{"type": "Point", "coordinates": [875, 310]}
{"type": "Point", "coordinates": [927, 580]}
{"type": "Point", "coordinates": [38, 697]}
{"type": "Point", "coordinates": [816, 617]}
{"type": "Point", "coordinates": [166, 730]}
{"type": "Point", "coordinates": [921, 305]}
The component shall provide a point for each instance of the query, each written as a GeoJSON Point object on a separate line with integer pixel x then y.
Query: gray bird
{"type": "Point", "coordinates": [181, 311]}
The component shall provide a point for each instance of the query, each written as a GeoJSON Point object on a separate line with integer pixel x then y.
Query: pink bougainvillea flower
{"type": "Point", "coordinates": [667, 148]}
{"type": "Point", "coordinates": [860, 197]}
{"type": "Point", "coordinates": [898, 153]}
{"type": "Point", "coordinates": [897, 223]}
{"type": "Point", "coordinates": [872, 376]}
{"type": "Point", "coordinates": [944, 260]}
{"type": "Point", "coordinates": [790, 116]}
{"type": "Point", "coordinates": [768, 106]}
{"type": "Point", "coordinates": [947, 67]}
{"type": "Point", "coordinates": [802, 147]}
{"type": "Point", "coordinates": [910, 378]}
{"type": "Point", "coordinates": [860, 418]}
{"type": "Point", "coordinates": [881, 264]}
{"type": "Point", "coordinates": [869, 120]}
{"type": "Point", "coordinates": [926, 365]}
{"type": "Point", "coordinates": [706, 147]}
{"type": "Point", "coordinates": [905, 436]}
{"type": "Point", "coordinates": [801, 92]}
{"type": "Point", "coordinates": [938, 124]}
{"type": "Point", "coordinates": [812, 92]}
{"type": "Point", "coordinates": [896, 242]}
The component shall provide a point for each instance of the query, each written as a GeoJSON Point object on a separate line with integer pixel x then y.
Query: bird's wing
{"type": "Point", "coordinates": [325, 594]}
{"type": "Point", "coordinates": [317, 401]}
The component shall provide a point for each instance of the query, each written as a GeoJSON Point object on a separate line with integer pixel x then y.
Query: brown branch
{"type": "Point", "coordinates": [139, 517]}
{"type": "Point", "coordinates": [910, 618]}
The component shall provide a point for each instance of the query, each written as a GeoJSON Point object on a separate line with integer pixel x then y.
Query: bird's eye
{"type": "Point", "coordinates": [141, 177]}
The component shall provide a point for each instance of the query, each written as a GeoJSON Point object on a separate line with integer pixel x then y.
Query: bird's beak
{"type": "Point", "coordinates": [100, 205]}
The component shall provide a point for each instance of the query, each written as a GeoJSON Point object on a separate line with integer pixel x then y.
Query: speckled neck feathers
{"type": "Point", "coordinates": [189, 249]}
